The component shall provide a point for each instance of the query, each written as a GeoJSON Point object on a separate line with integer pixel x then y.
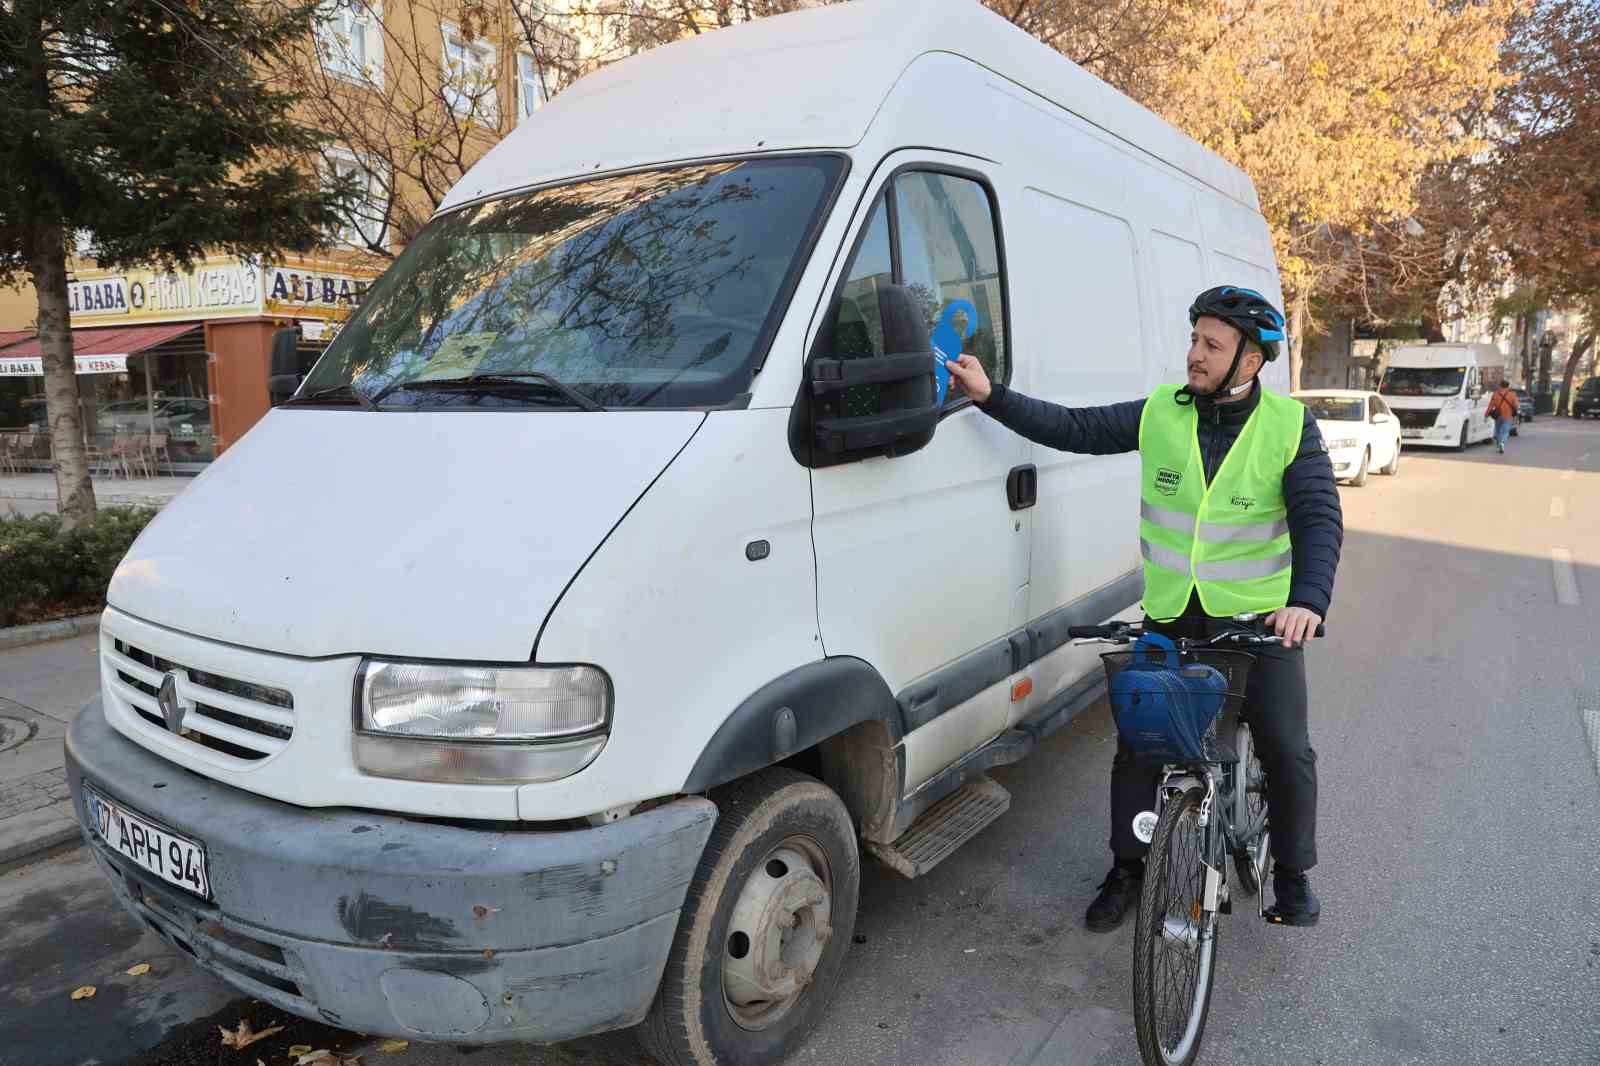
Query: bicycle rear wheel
{"type": "Point", "coordinates": [1174, 940]}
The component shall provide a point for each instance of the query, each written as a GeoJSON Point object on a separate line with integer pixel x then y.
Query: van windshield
{"type": "Point", "coordinates": [653, 289]}
{"type": "Point", "coordinates": [1423, 381]}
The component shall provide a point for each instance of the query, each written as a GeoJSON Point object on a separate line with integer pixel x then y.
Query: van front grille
{"type": "Point", "coordinates": [1415, 419]}
{"type": "Point", "coordinates": [245, 720]}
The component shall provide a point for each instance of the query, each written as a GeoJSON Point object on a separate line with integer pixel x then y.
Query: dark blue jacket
{"type": "Point", "coordinates": [1316, 522]}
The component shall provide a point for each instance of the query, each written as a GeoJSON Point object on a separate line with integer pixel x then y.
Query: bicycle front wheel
{"type": "Point", "coordinates": [1174, 940]}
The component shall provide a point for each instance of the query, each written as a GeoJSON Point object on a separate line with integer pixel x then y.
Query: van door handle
{"type": "Point", "coordinates": [1022, 487]}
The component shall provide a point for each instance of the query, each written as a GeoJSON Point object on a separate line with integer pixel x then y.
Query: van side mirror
{"type": "Point", "coordinates": [1381, 419]}
{"type": "Point", "coordinates": [879, 404]}
{"type": "Point", "coordinates": [284, 368]}
{"type": "Point", "coordinates": [1476, 393]}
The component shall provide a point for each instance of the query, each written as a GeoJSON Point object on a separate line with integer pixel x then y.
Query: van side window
{"type": "Point", "coordinates": [950, 259]}
{"type": "Point", "coordinates": [857, 327]}
{"type": "Point", "coordinates": [926, 272]}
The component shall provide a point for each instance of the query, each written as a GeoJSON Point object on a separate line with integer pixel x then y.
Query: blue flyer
{"type": "Point", "coordinates": [947, 340]}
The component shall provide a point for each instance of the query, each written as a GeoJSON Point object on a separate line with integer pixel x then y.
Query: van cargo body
{"type": "Point", "coordinates": [622, 571]}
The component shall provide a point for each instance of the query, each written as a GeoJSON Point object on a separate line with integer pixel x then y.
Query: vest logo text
{"type": "Point", "coordinates": [1167, 481]}
{"type": "Point", "coordinates": [1244, 502]}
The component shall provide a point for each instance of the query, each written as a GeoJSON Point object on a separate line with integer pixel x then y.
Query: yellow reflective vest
{"type": "Point", "coordinates": [1229, 539]}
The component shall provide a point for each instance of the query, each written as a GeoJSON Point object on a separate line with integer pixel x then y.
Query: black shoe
{"type": "Point", "coordinates": [1293, 902]}
{"type": "Point", "coordinates": [1118, 892]}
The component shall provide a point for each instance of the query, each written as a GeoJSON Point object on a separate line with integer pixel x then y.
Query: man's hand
{"type": "Point", "coordinates": [1295, 625]}
{"type": "Point", "coordinates": [968, 375]}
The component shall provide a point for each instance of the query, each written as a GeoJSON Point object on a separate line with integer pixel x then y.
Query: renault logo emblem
{"type": "Point", "coordinates": [171, 707]}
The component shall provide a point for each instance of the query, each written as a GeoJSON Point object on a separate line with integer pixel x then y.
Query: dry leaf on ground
{"type": "Point", "coordinates": [394, 1045]}
{"type": "Point", "coordinates": [296, 1050]}
{"type": "Point", "coordinates": [243, 1036]}
{"type": "Point", "coordinates": [320, 1055]}
{"type": "Point", "coordinates": [139, 970]}
{"type": "Point", "coordinates": [83, 993]}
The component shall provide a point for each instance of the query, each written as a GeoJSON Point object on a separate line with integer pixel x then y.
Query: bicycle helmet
{"type": "Point", "coordinates": [1247, 311]}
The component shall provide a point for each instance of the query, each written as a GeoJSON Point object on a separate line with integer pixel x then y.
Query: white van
{"type": "Point", "coordinates": [1436, 391]}
{"type": "Point", "coordinates": [619, 571]}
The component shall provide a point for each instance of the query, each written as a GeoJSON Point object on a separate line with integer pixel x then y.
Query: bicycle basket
{"type": "Point", "coordinates": [1165, 701]}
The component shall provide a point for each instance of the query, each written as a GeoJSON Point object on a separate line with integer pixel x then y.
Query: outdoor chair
{"type": "Point", "coordinates": [159, 452]}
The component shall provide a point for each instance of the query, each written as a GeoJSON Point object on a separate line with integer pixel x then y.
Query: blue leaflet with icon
{"type": "Point", "coordinates": [947, 340]}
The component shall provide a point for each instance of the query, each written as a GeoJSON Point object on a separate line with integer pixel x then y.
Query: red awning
{"type": "Point", "coordinates": [11, 336]}
{"type": "Point", "coordinates": [115, 340]}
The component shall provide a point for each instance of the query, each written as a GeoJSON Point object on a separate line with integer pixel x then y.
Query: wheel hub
{"type": "Point", "coordinates": [776, 934]}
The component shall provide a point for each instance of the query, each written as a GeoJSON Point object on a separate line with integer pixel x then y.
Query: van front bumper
{"type": "Point", "coordinates": [396, 927]}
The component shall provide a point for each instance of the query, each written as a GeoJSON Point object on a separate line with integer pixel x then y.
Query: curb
{"type": "Point", "coordinates": [29, 835]}
{"type": "Point", "coordinates": [114, 499]}
{"type": "Point", "coordinates": [22, 636]}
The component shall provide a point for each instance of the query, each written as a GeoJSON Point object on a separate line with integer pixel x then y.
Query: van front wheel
{"type": "Point", "coordinates": [765, 926]}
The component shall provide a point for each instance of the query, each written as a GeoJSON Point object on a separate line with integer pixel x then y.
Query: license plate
{"type": "Point", "coordinates": [171, 856]}
{"type": "Point", "coordinates": [1411, 432]}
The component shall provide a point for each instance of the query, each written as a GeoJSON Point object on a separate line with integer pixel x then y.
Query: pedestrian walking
{"type": "Point", "coordinates": [1503, 409]}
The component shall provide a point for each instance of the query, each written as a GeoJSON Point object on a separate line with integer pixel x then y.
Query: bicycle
{"type": "Point", "coordinates": [1180, 700]}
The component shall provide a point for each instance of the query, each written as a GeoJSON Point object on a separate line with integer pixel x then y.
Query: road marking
{"type": "Point", "coordinates": [1558, 507]}
{"type": "Point", "coordinates": [1566, 577]}
{"type": "Point", "coordinates": [1591, 726]}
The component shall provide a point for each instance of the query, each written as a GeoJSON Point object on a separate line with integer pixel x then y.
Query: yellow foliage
{"type": "Point", "coordinates": [1334, 107]}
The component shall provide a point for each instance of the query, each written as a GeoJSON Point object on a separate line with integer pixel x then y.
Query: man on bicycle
{"type": "Point", "coordinates": [1238, 515]}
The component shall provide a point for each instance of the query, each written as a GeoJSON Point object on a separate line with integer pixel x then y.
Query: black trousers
{"type": "Point", "coordinates": [1275, 708]}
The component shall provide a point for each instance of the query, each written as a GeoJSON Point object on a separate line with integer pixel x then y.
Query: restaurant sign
{"type": "Point", "coordinates": [12, 366]}
{"type": "Point", "coordinates": [226, 288]}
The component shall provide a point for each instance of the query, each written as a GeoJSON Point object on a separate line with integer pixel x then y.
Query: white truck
{"type": "Point", "coordinates": [1437, 390]}
{"type": "Point", "coordinates": [544, 664]}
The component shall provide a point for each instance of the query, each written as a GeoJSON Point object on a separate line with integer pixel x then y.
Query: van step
{"type": "Point", "coordinates": [944, 827]}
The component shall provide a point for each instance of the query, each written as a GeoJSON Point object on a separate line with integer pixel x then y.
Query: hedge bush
{"type": "Point", "coordinates": [46, 572]}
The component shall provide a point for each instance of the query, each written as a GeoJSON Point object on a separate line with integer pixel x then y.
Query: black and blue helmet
{"type": "Point", "coordinates": [1247, 311]}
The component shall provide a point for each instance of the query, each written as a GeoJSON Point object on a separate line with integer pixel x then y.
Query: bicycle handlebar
{"type": "Point", "coordinates": [1126, 632]}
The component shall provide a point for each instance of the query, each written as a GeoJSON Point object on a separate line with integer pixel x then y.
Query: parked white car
{"type": "Point", "coordinates": [1360, 430]}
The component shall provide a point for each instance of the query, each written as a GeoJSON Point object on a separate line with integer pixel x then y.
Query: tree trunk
{"type": "Point", "coordinates": [48, 267]}
{"type": "Point", "coordinates": [1579, 347]}
{"type": "Point", "coordinates": [1297, 339]}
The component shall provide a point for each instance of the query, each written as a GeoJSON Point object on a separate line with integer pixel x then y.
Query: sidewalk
{"type": "Point", "coordinates": [41, 488]}
{"type": "Point", "coordinates": [41, 688]}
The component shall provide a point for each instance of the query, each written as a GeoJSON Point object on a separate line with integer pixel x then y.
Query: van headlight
{"type": "Point", "coordinates": [479, 725]}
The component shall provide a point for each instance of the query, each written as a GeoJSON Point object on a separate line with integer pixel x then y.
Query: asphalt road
{"type": "Point", "coordinates": [1459, 839]}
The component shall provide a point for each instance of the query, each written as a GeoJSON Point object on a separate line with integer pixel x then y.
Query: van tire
{"type": "Point", "coordinates": [692, 1021]}
{"type": "Point", "coordinates": [1361, 475]}
{"type": "Point", "coordinates": [1461, 446]}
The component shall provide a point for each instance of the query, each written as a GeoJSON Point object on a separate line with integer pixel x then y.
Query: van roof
{"type": "Point", "coordinates": [813, 79]}
{"type": "Point", "coordinates": [1454, 354]}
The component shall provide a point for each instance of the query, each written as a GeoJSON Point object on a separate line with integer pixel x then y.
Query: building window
{"type": "Point", "coordinates": [366, 220]}
{"type": "Point", "coordinates": [350, 40]}
{"type": "Point", "coordinates": [530, 86]}
{"type": "Point", "coordinates": [469, 77]}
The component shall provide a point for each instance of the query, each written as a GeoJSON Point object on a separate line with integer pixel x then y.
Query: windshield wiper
{"type": "Point", "coordinates": [334, 392]}
{"type": "Point", "coordinates": [519, 378]}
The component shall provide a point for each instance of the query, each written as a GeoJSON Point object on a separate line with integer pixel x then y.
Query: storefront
{"type": "Point", "coordinates": [181, 360]}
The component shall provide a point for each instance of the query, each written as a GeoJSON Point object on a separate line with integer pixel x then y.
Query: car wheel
{"type": "Point", "coordinates": [1361, 474]}
{"type": "Point", "coordinates": [764, 929]}
{"type": "Point", "coordinates": [1394, 464]}
{"type": "Point", "coordinates": [1461, 445]}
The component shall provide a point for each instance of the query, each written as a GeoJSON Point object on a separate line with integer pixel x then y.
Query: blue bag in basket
{"type": "Point", "coordinates": [1164, 708]}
